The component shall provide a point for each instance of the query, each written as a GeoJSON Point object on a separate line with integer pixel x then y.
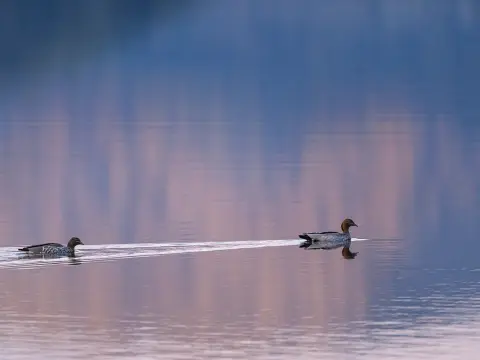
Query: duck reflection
{"type": "Point", "coordinates": [347, 254]}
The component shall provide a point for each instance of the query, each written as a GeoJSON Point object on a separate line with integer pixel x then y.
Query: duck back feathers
{"type": "Point", "coordinates": [38, 247]}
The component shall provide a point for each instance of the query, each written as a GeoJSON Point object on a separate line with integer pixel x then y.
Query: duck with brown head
{"type": "Point", "coordinates": [53, 249]}
{"type": "Point", "coordinates": [329, 240]}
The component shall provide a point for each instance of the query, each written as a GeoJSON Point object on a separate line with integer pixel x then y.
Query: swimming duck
{"type": "Point", "coordinates": [329, 240]}
{"type": "Point", "coordinates": [53, 249]}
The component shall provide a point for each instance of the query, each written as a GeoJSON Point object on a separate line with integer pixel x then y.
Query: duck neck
{"type": "Point", "coordinates": [346, 232]}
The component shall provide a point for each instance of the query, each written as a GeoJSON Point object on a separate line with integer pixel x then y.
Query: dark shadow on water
{"type": "Point", "coordinates": [72, 260]}
{"type": "Point", "coordinates": [347, 254]}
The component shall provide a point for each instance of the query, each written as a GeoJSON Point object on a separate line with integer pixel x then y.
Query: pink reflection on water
{"type": "Point", "coordinates": [176, 181]}
{"type": "Point", "coordinates": [173, 183]}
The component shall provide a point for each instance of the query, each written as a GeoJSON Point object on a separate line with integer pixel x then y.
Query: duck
{"type": "Point", "coordinates": [53, 249]}
{"type": "Point", "coordinates": [329, 240]}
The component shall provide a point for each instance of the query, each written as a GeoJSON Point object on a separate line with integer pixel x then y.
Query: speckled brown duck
{"type": "Point", "coordinates": [53, 249]}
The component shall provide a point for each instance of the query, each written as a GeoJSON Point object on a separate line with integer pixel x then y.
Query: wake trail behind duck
{"type": "Point", "coordinates": [10, 257]}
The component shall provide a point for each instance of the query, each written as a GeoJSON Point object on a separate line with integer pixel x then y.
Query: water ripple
{"type": "Point", "coordinates": [11, 258]}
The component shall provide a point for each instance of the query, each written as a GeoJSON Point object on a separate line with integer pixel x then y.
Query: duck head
{"type": "Point", "coordinates": [74, 241]}
{"type": "Point", "coordinates": [347, 224]}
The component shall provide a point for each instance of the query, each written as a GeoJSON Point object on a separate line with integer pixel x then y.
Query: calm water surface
{"type": "Point", "coordinates": [189, 158]}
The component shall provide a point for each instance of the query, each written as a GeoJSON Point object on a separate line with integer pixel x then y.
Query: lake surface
{"type": "Point", "coordinates": [188, 148]}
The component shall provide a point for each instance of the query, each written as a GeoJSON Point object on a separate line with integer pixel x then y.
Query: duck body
{"type": "Point", "coordinates": [53, 249]}
{"type": "Point", "coordinates": [329, 240]}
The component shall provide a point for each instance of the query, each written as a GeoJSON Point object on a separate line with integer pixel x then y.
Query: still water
{"type": "Point", "coordinates": [190, 154]}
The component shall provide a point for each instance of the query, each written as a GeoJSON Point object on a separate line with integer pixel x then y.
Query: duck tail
{"type": "Point", "coordinates": [307, 242]}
